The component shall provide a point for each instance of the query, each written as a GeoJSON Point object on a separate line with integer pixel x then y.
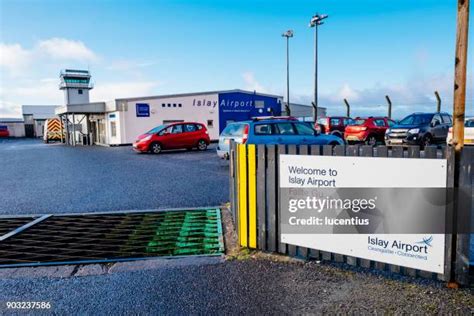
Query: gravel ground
{"type": "Point", "coordinates": [38, 178]}
{"type": "Point", "coordinates": [254, 286]}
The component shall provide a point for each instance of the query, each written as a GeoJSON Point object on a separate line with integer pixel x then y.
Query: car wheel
{"type": "Point", "coordinates": [427, 141]}
{"type": "Point", "coordinates": [202, 145]}
{"type": "Point", "coordinates": [371, 140]}
{"type": "Point", "coordinates": [155, 148]}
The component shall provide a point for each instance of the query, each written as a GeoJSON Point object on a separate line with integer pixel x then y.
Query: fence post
{"type": "Point", "coordinates": [243, 190]}
{"type": "Point", "coordinates": [449, 260]}
{"type": "Point", "coordinates": [292, 249]}
{"type": "Point", "coordinates": [252, 196]}
{"type": "Point", "coordinates": [282, 247]}
{"type": "Point", "coordinates": [261, 198]}
{"type": "Point", "coordinates": [272, 209]}
{"type": "Point", "coordinates": [465, 207]}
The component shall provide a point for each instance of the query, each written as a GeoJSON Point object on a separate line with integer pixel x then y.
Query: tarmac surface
{"type": "Point", "coordinates": [215, 286]}
{"type": "Point", "coordinates": [39, 178]}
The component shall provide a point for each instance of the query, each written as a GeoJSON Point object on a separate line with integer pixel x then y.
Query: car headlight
{"type": "Point", "coordinates": [414, 131]}
{"type": "Point", "coordinates": [145, 139]}
{"type": "Point", "coordinates": [388, 131]}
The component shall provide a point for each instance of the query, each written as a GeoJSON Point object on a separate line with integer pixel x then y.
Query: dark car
{"type": "Point", "coordinates": [420, 129]}
{"type": "Point", "coordinates": [333, 125]}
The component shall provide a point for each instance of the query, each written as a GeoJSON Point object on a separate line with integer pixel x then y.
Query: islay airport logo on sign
{"type": "Point", "coordinates": [415, 250]}
{"type": "Point", "coordinates": [224, 103]}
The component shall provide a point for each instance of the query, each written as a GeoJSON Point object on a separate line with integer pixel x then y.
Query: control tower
{"type": "Point", "coordinates": [76, 85]}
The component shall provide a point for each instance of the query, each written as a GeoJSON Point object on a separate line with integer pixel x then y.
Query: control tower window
{"type": "Point", "coordinates": [79, 91]}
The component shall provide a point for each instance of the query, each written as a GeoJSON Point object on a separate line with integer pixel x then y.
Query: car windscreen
{"type": "Point", "coordinates": [156, 129]}
{"type": "Point", "coordinates": [304, 129]}
{"type": "Point", "coordinates": [416, 119]}
{"type": "Point", "coordinates": [233, 130]}
{"type": "Point", "coordinates": [358, 122]}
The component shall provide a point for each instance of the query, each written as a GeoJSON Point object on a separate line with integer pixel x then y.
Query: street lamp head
{"type": "Point", "coordinates": [317, 19]}
{"type": "Point", "coordinates": [288, 33]}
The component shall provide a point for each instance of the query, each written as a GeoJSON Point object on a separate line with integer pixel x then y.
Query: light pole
{"type": "Point", "coordinates": [316, 20]}
{"type": "Point", "coordinates": [288, 34]}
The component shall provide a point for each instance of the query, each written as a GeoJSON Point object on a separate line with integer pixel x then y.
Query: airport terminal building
{"type": "Point", "coordinates": [120, 121]}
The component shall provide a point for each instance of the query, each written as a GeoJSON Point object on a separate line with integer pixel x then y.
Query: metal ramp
{"type": "Point", "coordinates": [96, 238]}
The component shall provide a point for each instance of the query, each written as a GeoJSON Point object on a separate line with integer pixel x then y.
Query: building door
{"type": "Point", "coordinates": [101, 131]}
{"type": "Point", "coordinates": [93, 132]}
{"type": "Point", "coordinates": [29, 130]}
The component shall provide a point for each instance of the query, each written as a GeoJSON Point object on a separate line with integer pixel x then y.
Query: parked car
{"type": "Point", "coordinates": [272, 131]}
{"type": "Point", "coordinates": [4, 131]}
{"type": "Point", "coordinates": [186, 135]}
{"type": "Point", "coordinates": [333, 125]}
{"type": "Point", "coordinates": [420, 129]}
{"type": "Point", "coordinates": [468, 132]}
{"type": "Point", "coordinates": [369, 130]}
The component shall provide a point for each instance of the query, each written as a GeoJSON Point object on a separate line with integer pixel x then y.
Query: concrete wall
{"type": "Point", "coordinates": [16, 129]}
{"type": "Point", "coordinates": [72, 96]}
{"type": "Point", "coordinates": [192, 109]}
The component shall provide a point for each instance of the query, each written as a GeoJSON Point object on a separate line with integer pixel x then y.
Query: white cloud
{"type": "Point", "coordinates": [14, 58]}
{"type": "Point", "coordinates": [65, 49]}
{"type": "Point", "coordinates": [17, 59]}
{"type": "Point", "coordinates": [110, 91]}
{"type": "Point", "coordinates": [9, 109]}
{"type": "Point", "coordinates": [252, 84]}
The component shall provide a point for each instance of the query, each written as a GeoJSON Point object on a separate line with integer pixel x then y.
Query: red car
{"type": "Point", "coordinates": [186, 135]}
{"type": "Point", "coordinates": [369, 130]}
{"type": "Point", "coordinates": [333, 125]}
{"type": "Point", "coordinates": [4, 131]}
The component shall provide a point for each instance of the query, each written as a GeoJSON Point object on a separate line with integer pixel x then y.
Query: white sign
{"type": "Point", "coordinates": [419, 251]}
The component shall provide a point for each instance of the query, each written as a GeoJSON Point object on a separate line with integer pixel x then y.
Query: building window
{"type": "Point", "coordinates": [163, 105]}
{"type": "Point", "coordinates": [174, 105]}
{"type": "Point", "coordinates": [113, 129]}
{"type": "Point", "coordinates": [169, 105]}
{"type": "Point", "coordinates": [79, 91]}
{"type": "Point", "coordinates": [179, 105]}
{"type": "Point", "coordinates": [210, 123]}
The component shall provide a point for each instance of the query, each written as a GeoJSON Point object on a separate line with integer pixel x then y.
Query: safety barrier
{"type": "Point", "coordinates": [255, 201]}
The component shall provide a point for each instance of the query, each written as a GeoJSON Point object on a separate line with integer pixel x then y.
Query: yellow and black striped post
{"type": "Point", "coordinates": [247, 195]}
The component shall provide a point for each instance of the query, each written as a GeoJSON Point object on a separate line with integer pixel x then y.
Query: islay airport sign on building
{"type": "Point", "coordinates": [386, 210]}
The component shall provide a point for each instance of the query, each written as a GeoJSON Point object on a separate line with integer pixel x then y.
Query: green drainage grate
{"type": "Point", "coordinates": [114, 237]}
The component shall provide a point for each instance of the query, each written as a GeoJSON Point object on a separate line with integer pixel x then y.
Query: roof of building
{"type": "Point", "coordinates": [11, 120]}
{"type": "Point", "coordinates": [197, 93]}
{"type": "Point", "coordinates": [303, 105]}
{"type": "Point", "coordinates": [85, 108]}
{"type": "Point", "coordinates": [39, 111]}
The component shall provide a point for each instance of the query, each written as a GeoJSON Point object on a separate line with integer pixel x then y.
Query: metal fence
{"type": "Point", "coordinates": [254, 194]}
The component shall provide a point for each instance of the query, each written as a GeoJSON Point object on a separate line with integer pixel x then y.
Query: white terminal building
{"type": "Point", "coordinates": [120, 121]}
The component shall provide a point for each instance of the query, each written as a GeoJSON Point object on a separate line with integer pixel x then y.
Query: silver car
{"type": "Point", "coordinates": [233, 131]}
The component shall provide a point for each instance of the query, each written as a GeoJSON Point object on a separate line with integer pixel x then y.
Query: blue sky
{"type": "Point", "coordinates": [367, 49]}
